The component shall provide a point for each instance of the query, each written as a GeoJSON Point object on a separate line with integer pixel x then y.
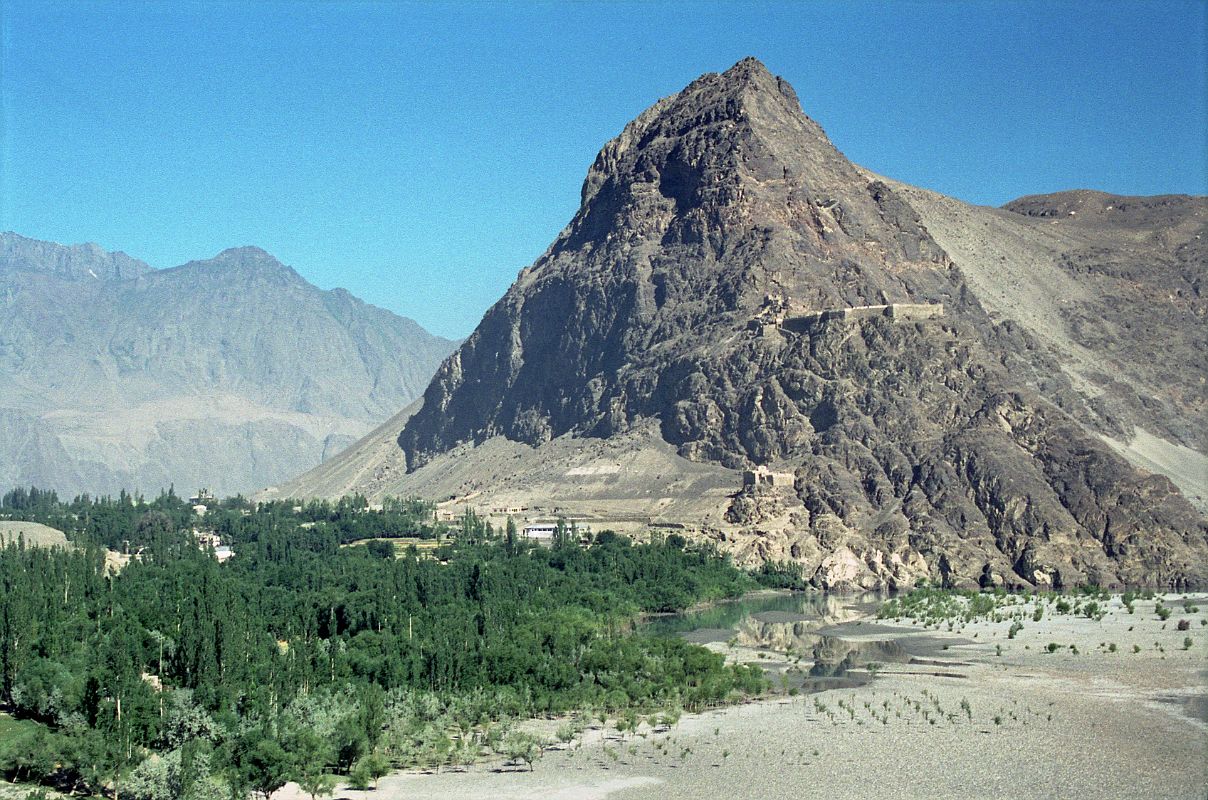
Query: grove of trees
{"type": "Point", "coordinates": [304, 656]}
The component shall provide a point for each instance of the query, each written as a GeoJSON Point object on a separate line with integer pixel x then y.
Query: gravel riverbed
{"type": "Point", "coordinates": [974, 720]}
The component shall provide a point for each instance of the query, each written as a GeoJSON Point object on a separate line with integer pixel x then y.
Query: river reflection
{"type": "Point", "coordinates": [784, 630]}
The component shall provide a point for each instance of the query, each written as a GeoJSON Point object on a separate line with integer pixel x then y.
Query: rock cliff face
{"type": "Point", "coordinates": [644, 359]}
{"type": "Point", "coordinates": [228, 373]}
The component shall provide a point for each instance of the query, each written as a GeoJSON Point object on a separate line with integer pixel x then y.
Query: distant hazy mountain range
{"type": "Point", "coordinates": [229, 373]}
{"type": "Point", "coordinates": [726, 299]}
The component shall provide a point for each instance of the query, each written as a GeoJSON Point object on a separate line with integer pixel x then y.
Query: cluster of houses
{"type": "Point", "coordinates": [210, 540]}
{"type": "Point", "coordinates": [201, 503]}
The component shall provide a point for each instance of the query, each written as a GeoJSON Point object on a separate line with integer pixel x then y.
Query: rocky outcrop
{"type": "Point", "coordinates": [951, 446]}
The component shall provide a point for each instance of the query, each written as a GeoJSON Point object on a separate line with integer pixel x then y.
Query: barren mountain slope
{"type": "Point", "coordinates": [367, 466]}
{"type": "Point", "coordinates": [228, 373]}
{"type": "Point", "coordinates": [1114, 289]}
{"type": "Point", "coordinates": [689, 323]}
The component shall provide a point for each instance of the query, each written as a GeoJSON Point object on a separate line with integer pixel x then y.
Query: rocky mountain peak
{"type": "Point", "coordinates": [249, 257]}
{"type": "Point", "coordinates": [739, 128]}
{"type": "Point", "coordinates": [733, 163]}
{"type": "Point", "coordinates": [247, 263]}
{"type": "Point", "coordinates": [751, 90]}
{"type": "Point", "coordinates": [700, 210]}
{"type": "Point", "coordinates": [244, 254]}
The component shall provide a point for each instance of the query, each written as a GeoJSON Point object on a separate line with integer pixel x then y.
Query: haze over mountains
{"type": "Point", "coordinates": [689, 324]}
{"type": "Point", "coordinates": [228, 373]}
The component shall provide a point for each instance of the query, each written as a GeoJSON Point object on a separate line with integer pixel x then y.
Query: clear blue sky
{"type": "Point", "coordinates": [420, 154]}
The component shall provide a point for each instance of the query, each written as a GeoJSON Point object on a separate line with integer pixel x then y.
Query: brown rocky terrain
{"type": "Point", "coordinates": [1112, 287]}
{"type": "Point", "coordinates": [1035, 431]}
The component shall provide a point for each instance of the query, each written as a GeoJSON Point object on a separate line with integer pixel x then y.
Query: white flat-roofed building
{"type": "Point", "coordinates": [540, 531]}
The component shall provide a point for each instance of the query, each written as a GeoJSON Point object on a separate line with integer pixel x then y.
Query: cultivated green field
{"type": "Point", "coordinates": [401, 544]}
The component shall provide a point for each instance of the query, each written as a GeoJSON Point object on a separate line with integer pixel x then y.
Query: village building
{"type": "Point", "coordinates": [204, 497]}
{"type": "Point", "coordinates": [540, 531]}
{"type": "Point", "coordinates": [543, 532]}
{"type": "Point", "coordinates": [208, 540]}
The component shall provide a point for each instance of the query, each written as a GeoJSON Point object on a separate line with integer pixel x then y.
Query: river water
{"type": "Point", "coordinates": [809, 642]}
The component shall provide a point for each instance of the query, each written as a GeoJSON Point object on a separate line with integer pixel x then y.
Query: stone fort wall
{"type": "Point", "coordinates": [898, 311]}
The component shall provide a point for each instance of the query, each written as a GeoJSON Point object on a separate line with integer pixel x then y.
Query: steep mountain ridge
{"type": "Point", "coordinates": [74, 262]}
{"type": "Point", "coordinates": [724, 300]}
{"type": "Point", "coordinates": [229, 372]}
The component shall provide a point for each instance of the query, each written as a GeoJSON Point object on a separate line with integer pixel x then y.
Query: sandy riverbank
{"type": "Point", "coordinates": [1091, 724]}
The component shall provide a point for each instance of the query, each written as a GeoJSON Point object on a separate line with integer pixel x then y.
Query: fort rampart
{"type": "Point", "coordinates": [798, 323]}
